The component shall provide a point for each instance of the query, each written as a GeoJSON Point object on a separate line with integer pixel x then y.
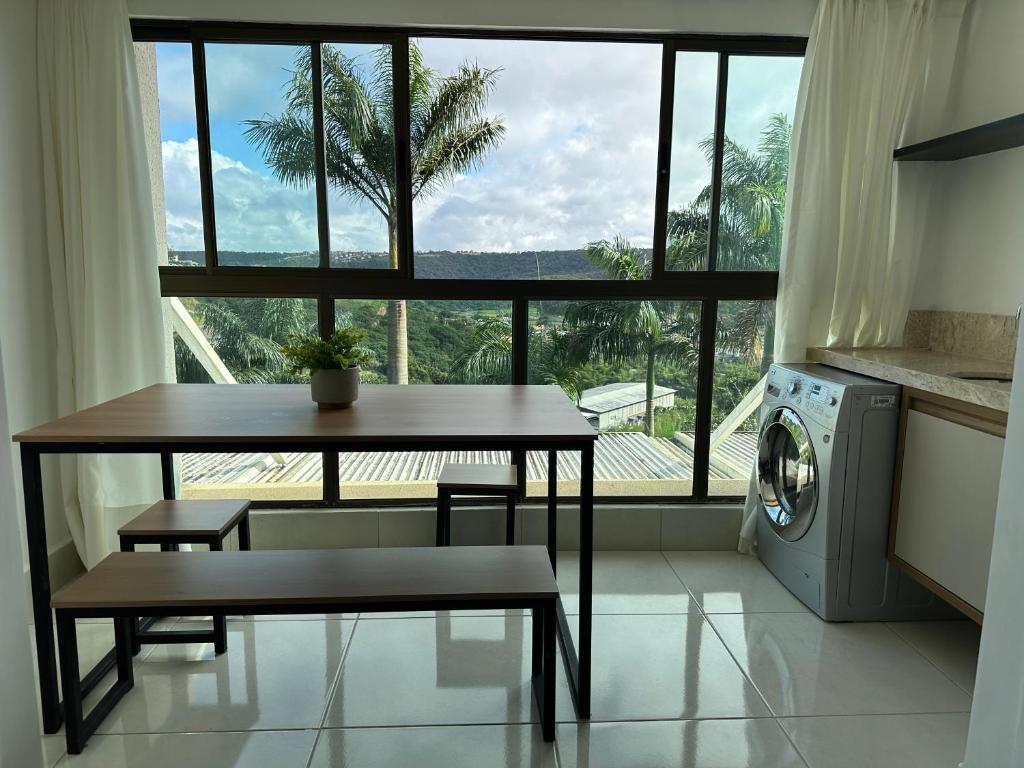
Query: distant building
{"type": "Point", "coordinates": [622, 403]}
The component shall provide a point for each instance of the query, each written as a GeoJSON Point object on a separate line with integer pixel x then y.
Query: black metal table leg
{"type": "Point", "coordinates": [39, 567]}
{"type": "Point", "coordinates": [586, 579]}
{"type": "Point", "coordinates": [553, 510]}
{"type": "Point", "coordinates": [167, 474]}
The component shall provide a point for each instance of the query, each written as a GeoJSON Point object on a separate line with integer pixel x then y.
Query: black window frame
{"type": "Point", "coordinates": [325, 284]}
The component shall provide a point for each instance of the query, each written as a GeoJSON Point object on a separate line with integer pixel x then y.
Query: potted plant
{"type": "Point", "coordinates": [333, 365]}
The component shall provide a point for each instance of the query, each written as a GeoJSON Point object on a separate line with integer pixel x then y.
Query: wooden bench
{"type": "Point", "coordinates": [127, 584]}
{"type": "Point", "coordinates": [171, 523]}
{"type": "Point", "coordinates": [475, 480]}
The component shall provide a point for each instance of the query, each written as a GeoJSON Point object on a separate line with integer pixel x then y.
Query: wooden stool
{"type": "Point", "coordinates": [475, 480]}
{"type": "Point", "coordinates": [171, 523]}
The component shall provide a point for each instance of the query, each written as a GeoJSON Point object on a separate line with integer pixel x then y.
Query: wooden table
{"type": "Point", "coordinates": [221, 418]}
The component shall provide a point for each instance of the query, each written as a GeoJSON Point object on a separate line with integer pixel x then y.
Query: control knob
{"type": "Point", "coordinates": [794, 386]}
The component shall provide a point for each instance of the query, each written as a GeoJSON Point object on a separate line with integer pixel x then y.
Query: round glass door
{"type": "Point", "coordinates": [787, 474]}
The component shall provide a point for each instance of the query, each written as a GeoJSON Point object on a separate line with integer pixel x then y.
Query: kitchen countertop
{"type": "Point", "coordinates": [922, 369]}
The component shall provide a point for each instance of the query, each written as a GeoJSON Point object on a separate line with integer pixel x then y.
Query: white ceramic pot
{"type": "Point", "coordinates": [333, 389]}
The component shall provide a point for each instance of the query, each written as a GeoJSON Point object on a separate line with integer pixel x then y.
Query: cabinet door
{"type": "Point", "coordinates": [947, 494]}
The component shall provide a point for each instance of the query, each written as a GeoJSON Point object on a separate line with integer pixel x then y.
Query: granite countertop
{"type": "Point", "coordinates": [923, 369]}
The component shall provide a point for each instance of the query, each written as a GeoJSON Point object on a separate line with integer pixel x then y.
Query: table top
{"type": "Point", "coordinates": [285, 414]}
{"type": "Point", "coordinates": [281, 578]}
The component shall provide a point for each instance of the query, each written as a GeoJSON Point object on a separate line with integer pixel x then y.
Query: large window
{"type": "Point", "coordinates": [603, 215]}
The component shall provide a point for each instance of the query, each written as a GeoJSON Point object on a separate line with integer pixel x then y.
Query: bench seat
{"type": "Point", "coordinates": [126, 584]}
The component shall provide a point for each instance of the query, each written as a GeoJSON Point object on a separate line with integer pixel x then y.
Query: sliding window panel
{"type": "Point", "coordinates": [743, 353]}
{"type": "Point", "coordinates": [263, 158]}
{"type": "Point", "coordinates": [693, 146]}
{"type": "Point", "coordinates": [238, 341]}
{"type": "Point", "coordinates": [532, 159]}
{"type": "Point", "coordinates": [445, 342]}
{"type": "Point", "coordinates": [631, 369]}
{"type": "Point", "coordinates": [169, 112]}
{"type": "Point", "coordinates": [759, 109]}
{"type": "Point", "coordinates": [359, 145]}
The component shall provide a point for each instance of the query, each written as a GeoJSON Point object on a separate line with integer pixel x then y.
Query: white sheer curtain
{"type": "Point", "coordinates": [847, 272]}
{"type": "Point", "coordinates": [102, 248]}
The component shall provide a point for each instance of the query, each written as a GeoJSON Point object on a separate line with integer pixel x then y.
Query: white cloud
{"type": "Point", "coordinates": [578, 162]}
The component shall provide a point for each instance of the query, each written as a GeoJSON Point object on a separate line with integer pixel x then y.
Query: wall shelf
{"type": "Point", "coordinates": [980, 140]}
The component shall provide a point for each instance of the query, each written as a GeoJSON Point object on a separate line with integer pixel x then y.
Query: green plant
{"type": "Point", "coordinates": [311, 353]}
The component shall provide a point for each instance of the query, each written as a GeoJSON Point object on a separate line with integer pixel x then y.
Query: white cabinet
{"type": "Point", "coordinates": [944, 506]}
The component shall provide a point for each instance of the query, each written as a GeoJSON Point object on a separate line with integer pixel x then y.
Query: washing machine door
{"type": "Point", "coordinates": [787, 474]}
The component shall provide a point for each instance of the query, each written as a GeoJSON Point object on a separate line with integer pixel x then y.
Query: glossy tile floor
{"type": "Point", "coordinates": [700, 659]}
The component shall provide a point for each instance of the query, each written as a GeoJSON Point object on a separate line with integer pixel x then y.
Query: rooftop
{"type": "Point", "coordinates": [625, 463]}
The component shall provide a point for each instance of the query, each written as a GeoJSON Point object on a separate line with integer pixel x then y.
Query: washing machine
{"type": "Point", "coordinates": [826, 452]}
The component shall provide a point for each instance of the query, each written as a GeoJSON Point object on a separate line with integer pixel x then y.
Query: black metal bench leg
{"type": "Point", "coordinates": [548, 675]}
{"type": "Point", "coordinates": [220, 623]}
{"type": "Point", "coordinates": [510, 519]}
{"type": "Point", "coordinates": [444, 513]}
{"type": "Point", "coordinates": [244, 538]}
{"type": "Point", "coordinates": [71, 685]}
{"type": "Point", "coordinates": [128, 545]}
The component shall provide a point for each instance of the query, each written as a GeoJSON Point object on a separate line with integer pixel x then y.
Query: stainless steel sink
{"type": "Point", "coordinates": [999, 376]}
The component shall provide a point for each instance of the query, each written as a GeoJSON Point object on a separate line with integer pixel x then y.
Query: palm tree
{"type": "Point", "coordinates": [489, 359]}
{"type": "Point", "coordinates": [625, 331]}
{"type": "Point", "coordinates": [750, 224]}
{"type": "Point", "coordinates": [247, 334]}
{"type": "Point", "coordinates": [449, 135]}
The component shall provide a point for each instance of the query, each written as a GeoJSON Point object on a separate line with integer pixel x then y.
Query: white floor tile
{"type": "Point", "coordinates": [447, 671]}
{"type": "Point", "coordinates": [893, 741]}
{"type": "Point", "coordinates": [685, 744]}
{"type": "Point", "coordinates": [728, 582]}
{"type": "Point", "coordinates": [478, 746]}
{"type": "Point", "coordinates": [648, 667]}
{"type": "Point", "coordinates": [257, 749]}
{"type": "Point", "coordinates": [275, 675]}
{"type": "Point", "coordinates": [952, 646]}
{"type": "Point", "coordinates": [805, 666]}
{"type": "Point", "coordinates": [625, 582]}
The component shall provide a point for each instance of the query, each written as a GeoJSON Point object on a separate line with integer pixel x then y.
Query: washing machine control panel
{"type": "Point", "coordinates": [813, 396]}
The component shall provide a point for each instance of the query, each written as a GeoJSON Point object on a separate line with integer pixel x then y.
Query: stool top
{"type": "Point", "coordinates": [495, 477]}
{"type": "Point", "coordinates": [187, 517]}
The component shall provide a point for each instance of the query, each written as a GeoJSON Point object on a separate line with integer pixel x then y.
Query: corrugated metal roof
{"type": "Point", "coordinates": [611, 397]}
{"type": "Point", "coordinates": [618, 456]}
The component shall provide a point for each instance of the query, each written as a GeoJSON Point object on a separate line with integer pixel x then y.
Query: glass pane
{"type": "Point", "coordinates": [360, 150]}
{"type": "Point", "coordinates": [759, 111]}
{"type": "Point", "coordinates": [176, 176]}
{"type": "Point", "coordinates": [552, 147]}
{"type": "Point", "coordinates": [743, 353]}
{"type": "Point", "coordinates": [693, 137]}
{"type": "Point", "coordinates": [446, 342]}
{"type": "Point", "coordinates": [261, 133]}
{"type": "Point", "coordinates": [631, 368]}
{"type": "Point", "coordinates": [229, 340]}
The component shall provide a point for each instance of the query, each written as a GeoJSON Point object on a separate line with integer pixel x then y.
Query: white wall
{"type": "Point", "coordinates": [20, 746]}
{"type": "Point", "coordinates": [973, 257]}
{"type": "Point", "coordinates": [722, 16]}
{"type": "Point", "coordinates": [26, 323]}
{"type": "Point", "coordinates": [996, 736]}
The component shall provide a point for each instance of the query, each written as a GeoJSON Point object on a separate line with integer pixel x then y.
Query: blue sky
{"type": "Point", "coordinates": [577, 163]}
